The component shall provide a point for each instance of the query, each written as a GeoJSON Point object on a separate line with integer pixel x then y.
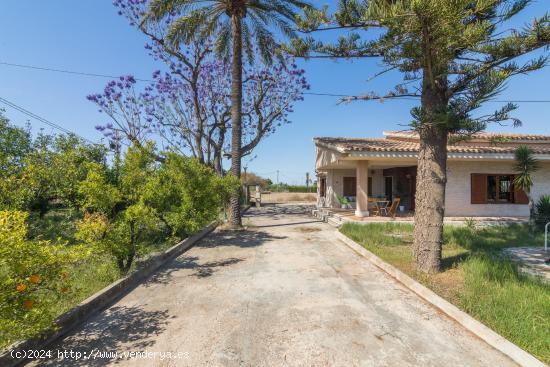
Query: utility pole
{"type": "Point", "coordinates": [307, 181]}
{"type": "Point", "coordinates": [278, 187]}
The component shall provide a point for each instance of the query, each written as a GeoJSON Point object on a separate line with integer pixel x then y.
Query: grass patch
{"type": "Point", "coordinates": [476, 276]}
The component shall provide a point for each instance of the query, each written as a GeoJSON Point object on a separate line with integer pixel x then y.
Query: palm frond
{"type": "Point", "coordinates": [158, 9]}
{"type": "Point", "coordinates": [223, 40]}
{"type": "Point", "coordinates": [525, 165]}
{"type": "Point", "coordinates": [195, 19]}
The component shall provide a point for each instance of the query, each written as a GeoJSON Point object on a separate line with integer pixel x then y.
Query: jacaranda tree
{"type": "Point", "coordinates": [234, 26]}
{"type": "Point", "coordinates": [454, 56]}
{"type": "Point", "coordinates": [193, 118]}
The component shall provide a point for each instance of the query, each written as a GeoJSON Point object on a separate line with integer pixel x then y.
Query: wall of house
{"type": "Point", "coordinates": [541, 182]}
{"type": "Point", "coordinates": [458, 191]}
{"type": "Point", "coordinates": [335, 185]}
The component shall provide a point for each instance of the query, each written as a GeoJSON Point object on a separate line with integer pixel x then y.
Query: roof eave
{"type": "Point", "coordinates": [451, 155]}
{"type": "Point", "coordinates": [330, 146]}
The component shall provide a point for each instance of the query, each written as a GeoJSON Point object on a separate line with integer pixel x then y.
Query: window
{"type": "Point", "coordinates": [500, 189]}
{"type": "Point", "coordinates": [495, 189]}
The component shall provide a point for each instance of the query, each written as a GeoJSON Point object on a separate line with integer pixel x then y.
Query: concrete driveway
{"type": "Point", "coordinates": [284, 292]}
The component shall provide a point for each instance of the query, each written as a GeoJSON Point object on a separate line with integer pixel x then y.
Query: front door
{"type": "Point", "coordinates": [350, 186]}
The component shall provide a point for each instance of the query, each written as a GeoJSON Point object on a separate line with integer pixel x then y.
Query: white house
{"type": "Point", "coordinates": [480, 172]}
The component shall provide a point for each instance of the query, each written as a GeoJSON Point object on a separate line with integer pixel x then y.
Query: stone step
{"type": "Point", "coordinates": [334, 221]}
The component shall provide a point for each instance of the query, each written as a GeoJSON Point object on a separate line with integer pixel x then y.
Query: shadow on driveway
{"type": "Point", "coordinates": [190, 262]}
{"type": "Point", "coordinates": [276, 212]}
{"type": "Point", "coordinates": [241, 239]}
{"type": "Point", "coordinates": [290, 224]}
{"type": "Point", "coordinates": [113, 330]}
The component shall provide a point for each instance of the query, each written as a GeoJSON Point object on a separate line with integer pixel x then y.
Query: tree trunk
{"type": "Point", "coordinates": [531, 213]}
{"type": "Point", "coordinates": [236, 105]}
{"type": "Point", "coordinates": [430, 201]}
{"type": "Point", "coordinates": [432, 161]}
{"type": "Point", "coordinates": [120, 264]}
{"type": "Point", "coordinates": [218, 164]}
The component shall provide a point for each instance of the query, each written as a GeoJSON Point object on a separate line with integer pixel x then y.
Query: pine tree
{"type": "Point", "coordinates": [454, 56]}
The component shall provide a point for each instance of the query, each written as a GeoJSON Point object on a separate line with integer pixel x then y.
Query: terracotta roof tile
{"type": "Point", "coordinates": [407, 134]}
{"type": "Point", "coordinates": [347, 145]}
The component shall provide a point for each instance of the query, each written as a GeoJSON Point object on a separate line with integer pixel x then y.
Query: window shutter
{"type": "Point", "coordinates": [479, 188]}
{"type": "Point", "coordinates": [520, 197]}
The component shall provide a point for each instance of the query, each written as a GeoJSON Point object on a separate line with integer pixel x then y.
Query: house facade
{"type": "Point", "coordinates": [480, 173]}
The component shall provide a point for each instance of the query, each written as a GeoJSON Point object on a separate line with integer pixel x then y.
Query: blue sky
{"type": "Point", "coordinates": [88, 35]}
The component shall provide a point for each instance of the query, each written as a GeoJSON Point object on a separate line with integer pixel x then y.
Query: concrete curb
{"type": "Point", "coordinates": [495, 340]}
{"type": "Point", "coordinates": [99, 301]}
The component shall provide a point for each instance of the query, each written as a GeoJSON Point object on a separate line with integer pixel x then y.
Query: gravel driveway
{"type": "Point", "coordinates": [284, 292]}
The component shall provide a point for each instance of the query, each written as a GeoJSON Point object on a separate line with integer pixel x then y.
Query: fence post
{"type": "Point", "coordinates": [258, 196]}
{"type": "Point", "coordinates": [546, 237]}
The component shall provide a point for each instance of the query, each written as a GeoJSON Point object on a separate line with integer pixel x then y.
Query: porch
{"type": "Point", "coordinates": [336, 217]}
{"type": "Point", "coordinates": [369, 189]}
{"type": "Point", "coordinates": [364, 175]}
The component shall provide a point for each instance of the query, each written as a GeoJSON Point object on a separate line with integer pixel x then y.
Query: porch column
{"type": "Point", "coordinates": [362, 198]}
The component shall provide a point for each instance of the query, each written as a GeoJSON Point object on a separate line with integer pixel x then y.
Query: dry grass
{"type": "Point", "coordinates": [288, 197]}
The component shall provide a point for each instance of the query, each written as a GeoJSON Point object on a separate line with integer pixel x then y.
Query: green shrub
{"type": "Point", "coordinates": [187, 194]}
{"type": "Point", "coordinates": [292, 188]}
{"type": "Point", "coordinates": [37, 173]}
{"type": "Point", "coordinates": [148, 202]}
{"type": "Point", "coordinates": [118, 220]}
{"type": "Point", "coordinates": [34, 276]}
{"type": "Point", "coordinates": [543, 209]}
{"type": "Point", "coordinates": [72, 224]}
{"type": "Point", "coordinates": [342, 200]}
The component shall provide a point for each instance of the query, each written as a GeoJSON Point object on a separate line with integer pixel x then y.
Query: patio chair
{"type": "Point", "coordinates": [373, 206]}
{"type": "Point", "coordinates": [391, 210]}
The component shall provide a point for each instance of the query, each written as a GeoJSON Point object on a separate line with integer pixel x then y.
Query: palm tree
{"type": "Point", "coordinates": [526, 164]}
{"type": "Point", "coordinates": [232, 24]}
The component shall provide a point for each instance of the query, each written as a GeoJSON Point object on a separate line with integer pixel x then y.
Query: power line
{"type": "Point", "coordinates": [94, 75]}
{"type": "Point", "coordinates": [415, 98]}
{"type": "Point", "coordinates": [43, 120]}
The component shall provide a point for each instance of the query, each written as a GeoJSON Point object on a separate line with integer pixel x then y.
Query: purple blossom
{"type": "Point", "coordinates": [167, 109]}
